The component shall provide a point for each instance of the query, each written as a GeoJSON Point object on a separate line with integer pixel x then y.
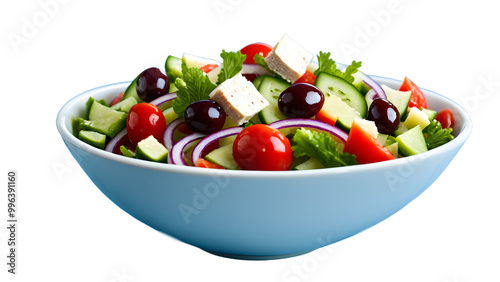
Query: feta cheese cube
{"type": "Point", "coordinates": [288, 59]}
{"type": "Point", "coordinates": [239, 98]}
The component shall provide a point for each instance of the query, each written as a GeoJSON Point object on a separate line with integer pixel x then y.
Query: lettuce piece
{"type": "Point", "coordinates": [320, 146]}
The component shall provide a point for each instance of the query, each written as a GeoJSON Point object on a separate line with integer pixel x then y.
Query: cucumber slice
{"type": "Point", "coordinates": [344, 113]}
{"type": "Point", "coordinates": [173, 68]}
{"type": "Point", "coordinates": [104, 120]}
{"type": "Point", "coordinates": [400, 99]}
{"type": "Point", "coordinates": [131, 91]}
{"type": "Point", "coordinates": [332, 85]}
{"type": "Point", "coordinates": [271, 88]}
{"type": "Point", "coordinates": [412, 142]}
{"type": "Point", "coordinates": [223, 156]}
{"type": "Point", "coordinates": [93, 138]}
{"type": "Point", "coordinates": [256, 82]}
{"type": "Point", "coordinates": [152, 150]}
{"type": "Point", "coordinates": [311, 163]}
{"type": "Point", "coordinates": [124, 105]}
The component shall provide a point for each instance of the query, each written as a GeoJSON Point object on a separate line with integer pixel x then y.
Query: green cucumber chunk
{"type": "Point", "coordinates": [124, 105]}
{"type": "Point", "coordinates": [430, 114]}
{"type": "Point", "coordinates": [401, 129]}
{"type": "Point", "coordinates": [412, 142]}
{"type": "Point", "coordinates": [152, 150]}
{"type": "Point", "coordinates": [345, 114]}
{"type": "Point", "coordinates": [104, 120]}
{"type": "Point", "coordinates": [223, 156]}
{"type": "Point", "coordinates": [311, 163]}
{"type": "Point", "coordinates": [170, 115]}
{"type": "Point", "coordinates": [127, 152]}
{"type": "Point", "coordinates": [359, 83]}
{"type": "Point", "coordinates": [393, 148]}
{"type": "Point", "coordinates": [416, 117]}
{"type": "Point", "coordinates": [271, 87]}
{"type": "Point", "coordinates": [93, 138]}
{"type": "Point", "coordinates": [89, 104]}
{"type": "Point", "coordinates": [332, 85]}
{"type": "Point", "coordinates": [76, 125]}
{"type": "Point", "coordinates": [400, 99]}
{"type": "Point", "coordinates": [173, 68]}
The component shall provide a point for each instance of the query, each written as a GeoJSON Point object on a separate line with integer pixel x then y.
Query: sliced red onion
{"type": "Point", "coordinates": [163, 99]}
{"type": "Point", "coordinates": [200, 148]}
{"type": "Point", "coordinates": [116, 140]}
{"type": "Point", "coordinates": [370, 96]}
{"type": "Point", "coordinates": [176, 155]}
{"type": "Point", "coordinates": [311, 123]}
{"type": "Point", "coordinates": [376, 90]}
{"type": "Point", "coordinates": [252, 69]}
{"type": "Point", "coordinates": [168, 136]}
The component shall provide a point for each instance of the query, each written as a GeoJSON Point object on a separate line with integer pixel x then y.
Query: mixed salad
{"type": "Point", "coordinates": [263, 108]}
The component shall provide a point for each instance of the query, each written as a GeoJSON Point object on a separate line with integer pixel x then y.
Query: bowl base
{"type": "Point", "coordinates": [254, 257]}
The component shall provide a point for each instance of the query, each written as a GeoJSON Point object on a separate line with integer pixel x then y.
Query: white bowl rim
{"type": "Point", "coordinates": [465, 132]}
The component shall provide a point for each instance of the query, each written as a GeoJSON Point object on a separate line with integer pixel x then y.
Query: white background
{"type": "Point", "coordinates": [69, 231]}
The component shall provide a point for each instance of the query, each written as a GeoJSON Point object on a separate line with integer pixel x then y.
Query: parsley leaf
{"type": "Point", "coordinates": [192, 87]}
{"type": "Point", "coordinates": [320, 146]}
{"type": "Point", "coordinates": [350, 70]}
{"type": "Point", "coordinates": [259, 60]}
{"type": "Point", "coordinates": [435, 135]}
{"type": "Point", "coordinates": [231, 65]}
{"type": "Point", "coordinates": [325, 64]}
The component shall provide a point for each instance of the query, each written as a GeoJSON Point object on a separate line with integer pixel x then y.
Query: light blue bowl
{"type": "Point", "coordinates": [258, 214]}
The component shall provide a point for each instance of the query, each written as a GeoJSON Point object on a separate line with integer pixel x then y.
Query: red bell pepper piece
{"type": "Point", "coordinates": [307, 77]}
{"type": "Point", "coordinates": [417, 98]}
{"type": "Point", "coordinates": [207, 164]}
{"type": "Point", "coordinates": [365, 147]}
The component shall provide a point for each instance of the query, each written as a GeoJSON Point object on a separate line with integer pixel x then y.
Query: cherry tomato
{"type": "Point", "coordinates": [255, 48]}
{"type": "Point", "coordinates": [307, 77]}
{"type": "Point", "coordinates": [144, 120]}
{"type": "Point", "coordinates": [445, 117]}
{"type": "Point", "coordinates": [261, 147]}
{"type": "Point", "coordinates": [417, 98]}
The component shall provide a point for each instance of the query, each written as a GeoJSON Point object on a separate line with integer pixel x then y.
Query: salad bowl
{"type": "Point", "coordinates": [260, 214]}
